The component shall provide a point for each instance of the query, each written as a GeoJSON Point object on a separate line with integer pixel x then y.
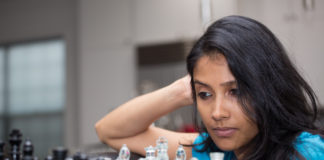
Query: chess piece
{"type": "Point", "coordinates": [150, 153]}
{"type": "Point", "coordinates": [59, 153]}
{"type": "Point", "coordinates": [76, 156]}
{"type": "Point", "coordinates": [162, 149]}
{"type": "Point", "coordinates": [15, 140]}
{"type": "Point", "coordinates": [49, 157]}
{"type": "Point", "coordinates": [100, 158]}
{"type": "Point", "coordinates": [80, 156]}
{"type": "Point", "coordinates": [83, 157]}
{"type": "Point", "coordinates": [68, 158]}
{"type": "Point", "coordinates": [180, 153]}
{"type": "Point", "coordinates": [124, 153]}
{"type": "Point", "coordinates": [28, 150]}
{"type": "Point", "coordinates": [216, 155]}
{"type": "Point", "coordinates": [2, 144]}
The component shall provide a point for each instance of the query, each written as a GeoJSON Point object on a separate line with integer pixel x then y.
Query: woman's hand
{"type": "Point", "coordinates": [184, 90]}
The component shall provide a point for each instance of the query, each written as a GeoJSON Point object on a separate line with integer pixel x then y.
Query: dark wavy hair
{"type": "Point", "coordinates": [271, 91]}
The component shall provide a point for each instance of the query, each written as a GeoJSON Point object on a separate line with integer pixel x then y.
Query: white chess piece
{"type": "Point", "coordinates": [150, 153]}
{"type": "Point", "coordinates": [124, 153]}
{"type": "Point", "coordinates": [162, 149]}
{"type": "Point", "coordinates": [181, 153]}
{"type": "Point", "coordinates": [216, 155]}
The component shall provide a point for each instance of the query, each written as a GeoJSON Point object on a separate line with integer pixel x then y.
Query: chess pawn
{"type": "Point", "coordinates": [80, 156]}
{"type": "Point", "coordinates": [150, 153]}
{"type": "Point", "coordinates": [124, 153]}
{"type": "Point", "coordinates": [162, 149]}
{"type": "Point", "coordinates": [77, 156]}
{"type": "Point", "coordinates": [60, 153]}
{"type": "Point", "coordinates": [181, 153]}
{"type": "Point", "coordinates": [216, 155]}
{"type": "Point", "coordinates": [83, 156]}
{"type": "Point", "coordinates": [68, 158]}
{"type": "Point", "coordinates": [15, 140]}
{"type": "Point", "coordinates": [49, 157]}
{"type": "Point", "coordinates": [28, 150]}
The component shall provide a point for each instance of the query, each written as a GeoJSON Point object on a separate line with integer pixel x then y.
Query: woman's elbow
{"type": "Point", "coordinates": [101, 132]}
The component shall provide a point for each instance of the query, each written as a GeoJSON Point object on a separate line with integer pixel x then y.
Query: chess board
{"type": "Point", "coordinates": [17, 149]}
{"type": "Point", "coordinates": [13, 150]}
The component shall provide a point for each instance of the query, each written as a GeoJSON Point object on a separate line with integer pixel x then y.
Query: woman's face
{"type": "Point", "coordinates": [216, 93]}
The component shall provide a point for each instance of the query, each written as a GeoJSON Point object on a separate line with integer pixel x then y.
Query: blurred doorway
{"type": "Point", "coordinates": [159, 65]}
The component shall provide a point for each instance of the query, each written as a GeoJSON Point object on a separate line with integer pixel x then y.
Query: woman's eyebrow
{"type": "Point", "coordinates": [229, 83]}
{"type": "Point", "coordinates": [226, 84]}
{"type": "Point", "coordinates": [201, 83]}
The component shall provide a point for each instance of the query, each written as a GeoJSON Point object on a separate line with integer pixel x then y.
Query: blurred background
{"type": "Point", "coordinates": [64, 64]}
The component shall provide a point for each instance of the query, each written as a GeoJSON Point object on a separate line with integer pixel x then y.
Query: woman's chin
{"type": "Point", "coordinates": [225, 144]}
{"type": "Point", "coordinates": [225, 148]}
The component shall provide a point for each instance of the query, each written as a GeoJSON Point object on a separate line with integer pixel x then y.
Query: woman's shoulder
{"type": "Point", "coordinates": [311, 146]}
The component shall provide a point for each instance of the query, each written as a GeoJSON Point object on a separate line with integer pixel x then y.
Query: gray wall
{"type": "Point", "coordinates": [107, 65]}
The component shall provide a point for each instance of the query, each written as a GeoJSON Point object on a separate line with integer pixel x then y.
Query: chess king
{"type": "Point", "coordinates": [253, 103]}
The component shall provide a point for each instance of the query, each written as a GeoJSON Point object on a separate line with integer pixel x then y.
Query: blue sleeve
{"type": "Point", "coordinates": [205, 155]}
{"type": "Point", "coordinates": [310, 146]}
{"type": "Point", "coordinates": [195, 153]}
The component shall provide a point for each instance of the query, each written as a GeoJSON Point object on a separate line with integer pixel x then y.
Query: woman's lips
{"type": "Point", "coordinates": [224, 132]}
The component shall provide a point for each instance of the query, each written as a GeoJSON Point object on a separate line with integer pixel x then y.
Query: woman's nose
{"type": "Point", "coordinates": [220, 111]}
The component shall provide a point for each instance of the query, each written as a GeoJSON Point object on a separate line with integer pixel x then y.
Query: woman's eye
{"type": "Point", "coordinates": [234, 92]}
{"type": "Point", "coordinates": [204, 95]}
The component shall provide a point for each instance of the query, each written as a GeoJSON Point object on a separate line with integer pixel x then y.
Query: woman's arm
{"type": "Point", "coordinates": [130, 123]}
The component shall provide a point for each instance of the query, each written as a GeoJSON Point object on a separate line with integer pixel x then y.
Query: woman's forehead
{"type": "Point", "coordinates": [213, 70]}
{"type": "Point", "coordinates": [216, 58]}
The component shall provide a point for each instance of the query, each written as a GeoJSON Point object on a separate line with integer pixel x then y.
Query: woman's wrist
{"type": "Point", "coordinates": [181, 91]}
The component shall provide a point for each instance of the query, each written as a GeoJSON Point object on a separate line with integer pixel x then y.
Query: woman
{"type": "Point", "coordinates": [252, 101]}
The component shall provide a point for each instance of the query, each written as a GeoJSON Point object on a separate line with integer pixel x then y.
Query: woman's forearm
{"type": "Point", "coordinates": [138, 114]}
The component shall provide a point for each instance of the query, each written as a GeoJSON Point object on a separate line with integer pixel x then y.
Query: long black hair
{"type": "Point", "coordinates": [271, 91]}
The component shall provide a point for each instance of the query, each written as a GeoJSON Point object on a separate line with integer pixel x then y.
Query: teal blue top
{"type": "Point", "coordinates": [308, 145]}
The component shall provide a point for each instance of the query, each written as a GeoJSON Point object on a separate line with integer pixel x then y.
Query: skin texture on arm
{"type": "Point", "coordinates": [131, 122]}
